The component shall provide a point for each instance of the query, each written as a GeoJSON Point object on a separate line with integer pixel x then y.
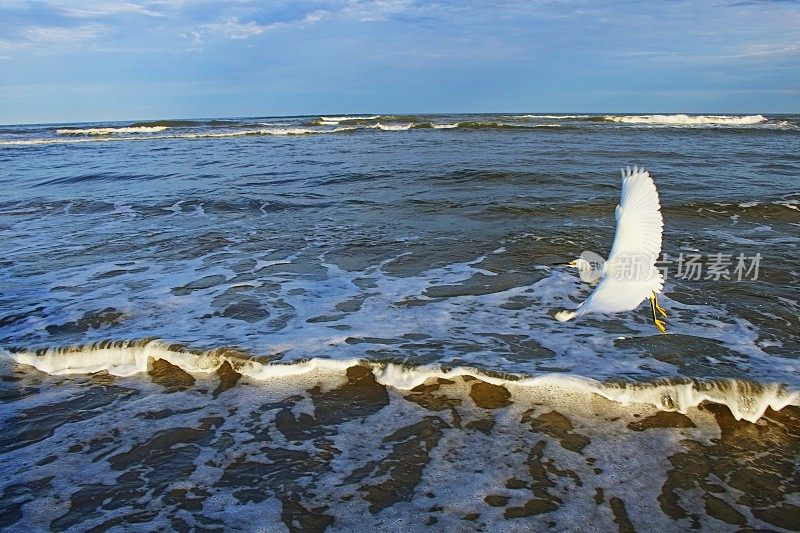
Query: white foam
{"type": "Point", "coordinates": [337, 120]}
{"type": "Point", "coordinates": [688, 120]}
{"type": "Point", "coordinates": [392, 127]}
{"type": "Point", "coordinates": [790, 204]}
{"type": "Point", "coordinates": [555, 117]}
{"type": "Point", "coordinates": [747, 401]}
{"type": "Point", "coordinates": [261, 131]}
{"type": "Point", "coordinates": [26, 142]}
{"type": "Point", "coordinates": [445, 126]}
{"type": "Point", "coordinates": [111, 131]}
{"type": "Point", "coordinates": [233, 133]}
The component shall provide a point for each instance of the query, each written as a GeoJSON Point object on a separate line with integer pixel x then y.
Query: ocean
{"type": "Point", "coordinates": [346, 323]}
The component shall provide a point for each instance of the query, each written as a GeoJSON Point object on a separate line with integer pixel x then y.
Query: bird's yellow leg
{"type": "Point", "coordinates": [659, 323]}
{"type": "Point", "coordinates": [660, 309]}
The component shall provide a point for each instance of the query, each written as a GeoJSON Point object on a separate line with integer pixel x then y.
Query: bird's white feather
{"type": "Point", "coordinates": [639, 220]}
{"type": "Point", "coordinates": [630, 274]}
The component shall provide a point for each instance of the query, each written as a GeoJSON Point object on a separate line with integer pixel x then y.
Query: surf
{"type": "Point", "coordinates": [111, 131]}
{"type": "Point", "coordinates": [746, 400]}
{"type": "Point", "coordinates": [688, 120]}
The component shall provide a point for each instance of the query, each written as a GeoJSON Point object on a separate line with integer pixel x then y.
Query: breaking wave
{"type": "Point", "coordinates": [102, 135]}
{"type": "Point", "coordinates": [198, 129]}
{"type": "Point", "coordinates": [478, 125]}
{"type": "Point", "coordinates": [687, 120]}
{"type": "Point", "coordinates": [111, 131]}
{"type": "Point", "coordinates": [198, 135]}
{"type": "Point", "coordinates": [262, 131]}
{"type": "Point", "coordinates": [393, 127]}
{"type": "Point", "coordinates": [332, 121]}
{"type": "Point", "coordinates": [746, 400]}
{"type": "Point", "coordinates": [168, 123]}
{"type": "Point", "coordinates": [555, 117]}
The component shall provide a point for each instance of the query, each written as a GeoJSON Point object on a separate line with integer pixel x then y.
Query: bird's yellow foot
{"type": "Point", "coordinates": [660, 324]}
{"type": "Point", "coordinates": [656, 307]}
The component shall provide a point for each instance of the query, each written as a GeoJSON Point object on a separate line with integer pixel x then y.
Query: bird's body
{"type": "Point", "coordinates": [630, 275]}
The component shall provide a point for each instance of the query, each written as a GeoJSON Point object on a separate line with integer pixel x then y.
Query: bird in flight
{"type": "Point", "coordinates": [630, 275]}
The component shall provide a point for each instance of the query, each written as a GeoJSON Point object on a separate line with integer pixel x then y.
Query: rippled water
{"type": "Point", "coordinates": [311, 323]}
{"type": "Point", "coordinates": [426, 245]}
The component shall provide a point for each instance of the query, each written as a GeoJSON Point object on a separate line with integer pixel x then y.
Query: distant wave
{"type": "Point", "coordinates": [555, 117]}
{"type": "Point", "coordinates": [393, 127]}
{"type": "Point", "coordinates": [29, 142]}
{"type": "Point", "coordinates": [111, 131]}
{"type": "Point", "coordinates": [366, 120]}
{"type": "Point", "coordinates": [198, 135]}
{"type": "Point", "coordinates": [118, 134]}
{"type": "Point", "coordinates": [687, 120]}
{"type": "Point", "coordinates": [389, 123]}
{"type": "Point", "coordinates": [747, 400]}
{"type": "Point", "coordinates": [662, 119]}
{"type": "Point", "coordinates": [85, 136]}
{"type": "Point", "coordinates": [467, 125]}
{"type": "Point", "coordinates": [167, 124]}
{"type": "Point", "coordinates": [354, 117]}
{"type": "Point", "coordinates": [479, 125]}
{"type": "Point", "coordinates": [261, 131]}
{"type": "Point", "coordinates": [333, 121]}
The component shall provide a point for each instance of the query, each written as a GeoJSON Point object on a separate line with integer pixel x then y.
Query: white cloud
{"type": "Point", "coordinates": [233, 29]}
{"type": "Point", "coordinates": [62, 35]}
{"type": "Point", "coordinates": [375, 10]}
{"type": "Point", "coordinates": [316, 16]}
{"type": "Point", "coordinates": [106, 9]}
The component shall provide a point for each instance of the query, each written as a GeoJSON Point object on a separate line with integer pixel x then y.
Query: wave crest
{"type": "Point", "coordinates": [199, 135]}
{"type": "Point", "coordinates": [746, 400]}
{"type": "Point", "coordinates": [555, 117]}
{"type": "Point", "coordinates": [111, 131]}
{"type": "Point", "coordinates": [687, 120]}
{"type": "Point", "coordinates": [335, 120]}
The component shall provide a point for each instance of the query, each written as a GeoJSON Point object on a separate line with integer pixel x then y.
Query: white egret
{"type": "Point", "coordinates": [630, 274]}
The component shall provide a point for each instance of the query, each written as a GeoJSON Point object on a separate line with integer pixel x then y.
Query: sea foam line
{"type": "Point", "coordinates": [688, 120]}
{"type": "Point", "coordinates": [555, 117]}
{"type": "Point", "coordinates": [337, 119]}
{"type": "Point", "coordinates": [105, 134]}
{"type": "Point", "coordinates": [290, 131]}
{"type": "Point", "coordinates": [236, 133]}
{"type": "Point", "coordinates": [110, 131]}
{"type": "Point", "coordinates": [746, 400]}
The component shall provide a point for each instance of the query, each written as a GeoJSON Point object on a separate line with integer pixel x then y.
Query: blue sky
{"type": "Point", "coordinates": [93, 60]}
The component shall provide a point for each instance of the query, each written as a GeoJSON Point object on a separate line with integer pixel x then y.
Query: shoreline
{"type": "Point", "coordinates": [181, 450]}
{"type": "Point", "coordinates": [747, 400]}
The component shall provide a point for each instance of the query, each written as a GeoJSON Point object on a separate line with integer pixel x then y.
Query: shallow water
{"type": "Point", "coordinates": [171, 451]}
{"type": "Point", "coordinates": [416, 245]}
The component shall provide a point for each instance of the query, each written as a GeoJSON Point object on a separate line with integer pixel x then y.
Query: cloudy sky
{"type": "Point", "coordinates": [88, 60]}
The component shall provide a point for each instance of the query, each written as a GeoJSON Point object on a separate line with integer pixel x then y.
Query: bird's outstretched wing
{"type": "Point", "coordinates": [639, 220]}
{"type": "Point", "coordinates": [630, 274]}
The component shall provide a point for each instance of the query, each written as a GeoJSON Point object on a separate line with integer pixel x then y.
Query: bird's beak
{"type": "Point", "coordinates": [571, 263]}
